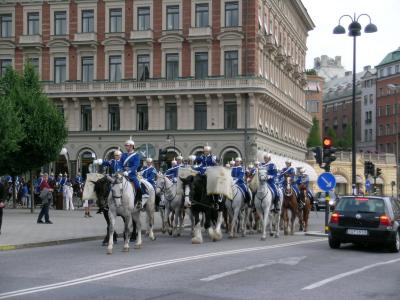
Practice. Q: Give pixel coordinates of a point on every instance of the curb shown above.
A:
(316, 233)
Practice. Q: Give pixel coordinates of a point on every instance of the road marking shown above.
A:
(346, 274)
(291, 261)
(118, 272)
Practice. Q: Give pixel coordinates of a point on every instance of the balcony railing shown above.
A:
(30, 39)
(83, 37)
(157, 86)
(141, 35)
(200, 32)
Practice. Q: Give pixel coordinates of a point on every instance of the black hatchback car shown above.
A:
(365, 220)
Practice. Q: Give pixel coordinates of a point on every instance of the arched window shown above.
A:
(86, 158)
(228, 156)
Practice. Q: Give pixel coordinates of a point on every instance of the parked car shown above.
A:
(365, 220)
(320, 202)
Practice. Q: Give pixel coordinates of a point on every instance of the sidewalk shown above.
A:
(20, 230)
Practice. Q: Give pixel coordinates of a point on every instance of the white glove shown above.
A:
(99, 161)
(126, 173)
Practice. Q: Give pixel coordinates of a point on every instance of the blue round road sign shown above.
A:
(326, 181)
(367, 184)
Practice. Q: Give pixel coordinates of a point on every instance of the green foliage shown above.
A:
(332, 134)
(43, 127)
(346, 140)
(311, 72)
(314, 138)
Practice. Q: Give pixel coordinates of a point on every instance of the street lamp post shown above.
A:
(354, 31)
(396, 89)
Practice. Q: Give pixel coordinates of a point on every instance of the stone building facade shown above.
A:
(227, 73)
(314, 98)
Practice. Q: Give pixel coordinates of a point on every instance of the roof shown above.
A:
(391, 57)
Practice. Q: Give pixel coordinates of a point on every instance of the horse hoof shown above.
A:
(109, 251)
(271, 234)
(276, 236)
(163, 231)
(178, 234)
(125, 250)
(231, 237)
(138, 246)
(263, 238)
(196, 241)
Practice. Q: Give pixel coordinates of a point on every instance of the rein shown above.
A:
(167, 190)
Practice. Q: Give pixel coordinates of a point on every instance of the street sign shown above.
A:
(367, 185)
(326, 181)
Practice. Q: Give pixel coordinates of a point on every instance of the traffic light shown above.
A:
(162, 155)
(378, 172)
(318, 155)
(328, 153)
(369, 168)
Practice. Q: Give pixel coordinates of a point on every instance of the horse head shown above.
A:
(102, 189)
(186, 189)
(262, 175)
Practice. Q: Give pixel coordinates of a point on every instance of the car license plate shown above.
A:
(357, 232)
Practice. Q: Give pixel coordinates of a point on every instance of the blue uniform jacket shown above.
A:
(115, 165)
(131, 163)
(78, 179)
(290, 171)
(205, 161)
(150, 173)
(237, 173)
(172, 173)
(272, 173)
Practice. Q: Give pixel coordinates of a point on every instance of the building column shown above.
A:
(221, 123)
(150, 112)
(75, 122)
(73, 170)
(252, 111)
(121, 105)
(239, 111)
(179, 120)
(161, 118)
(103, 124)
(190, 115)
(132, 112)
(209, 111)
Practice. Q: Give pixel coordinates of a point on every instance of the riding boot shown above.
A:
(276, 204)
(138, 198)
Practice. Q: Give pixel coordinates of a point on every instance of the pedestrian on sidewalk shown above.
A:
(68, 193)
(3, 193)
(46, 196)
(87, 204)
(25, 196)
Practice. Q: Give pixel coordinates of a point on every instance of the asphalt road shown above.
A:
(296, 267)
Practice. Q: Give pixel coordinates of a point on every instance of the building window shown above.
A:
(365, 100)
(60, 23)
(388, 129)
(113, 117)
(86, 118)
(312, 106)
(172, 66)
(232, 14)
(33, 23)
(114, 68)
(366, 135)
(143, 17)
(88, 20)
(143, 67)
(87, 69)
(60, 69)
(389, 71)
(4, 63)
(381, 74)
(142, 117)
(370, 135)
(371, 99)
(200, 116)
(230, 115)
(231, 64)
(115, 20)
(6, 25)
(388, 109)
(397, 68)
(34, 62)
(170, 116)
(202, 15)
(201, 65)
(381, 133)
(172, 17)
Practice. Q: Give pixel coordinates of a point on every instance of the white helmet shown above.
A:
(117, 152)
(179, 157)
(60, 175)
(251, 166)
(239, 159)
(130, 142)
(288, 161)
(302, 170)
(149, 160)
(207, 148)
(256, 163)
(174, 162)
(227, 165)
(232, 162)
(192, 157)
(267, 155)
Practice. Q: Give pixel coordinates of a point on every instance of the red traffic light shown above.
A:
(327, 142)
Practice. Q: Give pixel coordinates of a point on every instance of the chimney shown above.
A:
(338, 61)
(367, 68)
(348, 73)
(324, 60)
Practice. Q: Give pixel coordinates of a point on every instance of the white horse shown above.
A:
(150, 207)
(173, 204)
(235, 207)
(262, 201)
(275, 216)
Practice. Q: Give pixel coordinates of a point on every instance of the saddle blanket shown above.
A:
(219, 181)
(88, 189)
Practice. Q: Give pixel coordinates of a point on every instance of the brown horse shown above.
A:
(304, 207)
(289, 205)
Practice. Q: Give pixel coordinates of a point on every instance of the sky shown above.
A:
(371, 47)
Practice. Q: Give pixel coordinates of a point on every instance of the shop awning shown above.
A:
(379, 180)
(340, 179)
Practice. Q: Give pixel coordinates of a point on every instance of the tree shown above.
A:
(346, 141)
(42, 126)
(332, 134)
(314, 138)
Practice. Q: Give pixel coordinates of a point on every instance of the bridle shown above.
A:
(167, 190)
(122, 189)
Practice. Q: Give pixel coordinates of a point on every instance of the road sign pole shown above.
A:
(326, 211)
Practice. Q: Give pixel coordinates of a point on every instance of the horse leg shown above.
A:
(111, 215)
(127, 232)
(292, 220)
(136, 219)
(234, 222)
(197, 238)
(306, 216)
(176, 221)
(150, 220)
(105, 215)
(218, 232)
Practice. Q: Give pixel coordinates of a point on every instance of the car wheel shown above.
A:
(395, 243)
(333, 243)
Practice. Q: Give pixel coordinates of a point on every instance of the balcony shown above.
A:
(280, 55)
(141, 36)
(8, 39)
(200, 34)
(271, 43)
(120, 35)
(26, 41)
(85, 38)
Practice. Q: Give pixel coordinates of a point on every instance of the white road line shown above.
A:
(118, 272)
(342, 275)
(285, 261)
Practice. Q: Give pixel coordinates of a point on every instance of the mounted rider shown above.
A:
(131, 162)
(272, 173)
(304, 179)
(149, 173)
(238, 178)
(205, 160)
(172, 173)
(190, 161)
(289, 171)
(114, 164)
(179, 161)
(78, 179)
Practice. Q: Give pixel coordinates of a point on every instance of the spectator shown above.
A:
(68, 192)
(3, 188)
(47, 197)
(25, 197)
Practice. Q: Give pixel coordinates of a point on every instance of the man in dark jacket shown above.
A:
(46, 196)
